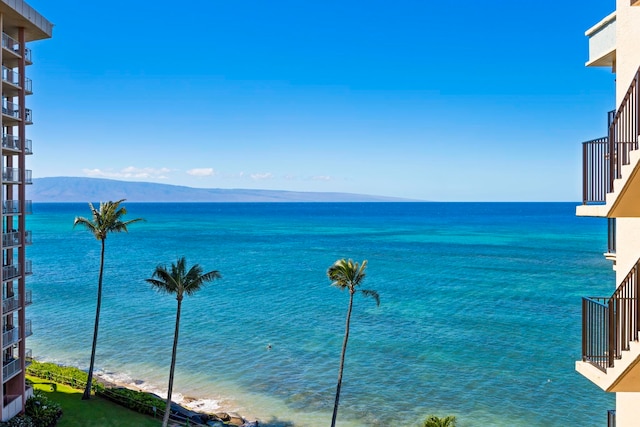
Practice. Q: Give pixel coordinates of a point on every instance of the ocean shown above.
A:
(479, 317)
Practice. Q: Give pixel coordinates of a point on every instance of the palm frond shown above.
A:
(106, 219)
(372, 294)
(434, 421)
(178, 281)
(87, 224)
(347, 274)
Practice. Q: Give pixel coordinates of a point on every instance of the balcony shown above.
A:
(602, 43)
(10, 337)
(12, 78)
(28, 358)
(14, 238)
(611, 164)
(10, 110)
(11, 303)
(10, 45)
(12, 176)
(610, 347)
(28, 297)
(10, 369)
(12, 406)
(611, 418)
(27, 328)
(12, 143)
(10, 272)
(12, 207)
(11, 113)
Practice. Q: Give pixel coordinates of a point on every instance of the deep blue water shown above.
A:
(479, 315)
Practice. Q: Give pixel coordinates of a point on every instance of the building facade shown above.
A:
(611, 189)
(19, 24)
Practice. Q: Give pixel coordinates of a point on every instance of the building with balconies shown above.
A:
(611, 189)
(19, 25)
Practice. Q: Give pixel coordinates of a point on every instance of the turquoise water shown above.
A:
(479, 315)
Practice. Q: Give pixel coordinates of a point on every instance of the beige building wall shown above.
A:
(627, 63)
(627, 46)
(627, 409)
(627, 246)
(628, 229)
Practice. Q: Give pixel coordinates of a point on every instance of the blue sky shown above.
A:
(431, 100)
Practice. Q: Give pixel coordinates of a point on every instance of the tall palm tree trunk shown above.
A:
(167, 411)
(344, 351)
(87, 391)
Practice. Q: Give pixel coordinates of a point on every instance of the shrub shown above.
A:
(135, 400)
(42, 411)
(19, 421)
(73, 377)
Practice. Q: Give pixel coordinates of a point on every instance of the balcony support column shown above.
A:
(6, 193)
(21, 218)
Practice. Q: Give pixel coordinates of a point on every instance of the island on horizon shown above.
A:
(81, 189)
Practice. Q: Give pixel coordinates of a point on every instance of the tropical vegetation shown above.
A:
(345, 274)
(40, 411)
(97, 412)
(178, 281)
(434, 421)
(108, 218)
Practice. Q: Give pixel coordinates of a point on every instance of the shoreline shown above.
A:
(202, 405)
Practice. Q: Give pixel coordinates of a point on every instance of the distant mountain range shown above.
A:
(77, 189)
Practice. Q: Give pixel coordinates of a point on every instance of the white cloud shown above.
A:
(201, 172)
(261, 176)
(129, 172)
(321, 178)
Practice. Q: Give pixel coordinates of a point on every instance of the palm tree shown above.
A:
(179, 282)
(347, 275)
(107, 219)
(433, 421)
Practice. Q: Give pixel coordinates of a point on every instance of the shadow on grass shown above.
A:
(275, 422)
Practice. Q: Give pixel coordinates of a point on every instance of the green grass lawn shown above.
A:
(96, 412)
